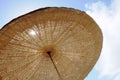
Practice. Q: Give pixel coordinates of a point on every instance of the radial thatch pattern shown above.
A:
(49, 44)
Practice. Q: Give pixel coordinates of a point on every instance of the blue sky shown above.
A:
(11, 9)
(105, 12)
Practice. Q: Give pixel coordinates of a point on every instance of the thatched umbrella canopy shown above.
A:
(49, 44)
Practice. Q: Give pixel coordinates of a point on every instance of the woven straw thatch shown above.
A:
(49, 44)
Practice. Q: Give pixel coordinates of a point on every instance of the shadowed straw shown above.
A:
(49, 44)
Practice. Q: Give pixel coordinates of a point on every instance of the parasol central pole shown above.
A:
(49, 53)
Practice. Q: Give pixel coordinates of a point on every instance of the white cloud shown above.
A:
(108, 18)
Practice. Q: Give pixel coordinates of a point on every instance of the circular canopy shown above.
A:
(49, 44)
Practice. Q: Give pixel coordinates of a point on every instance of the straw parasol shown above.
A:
(49, 44)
